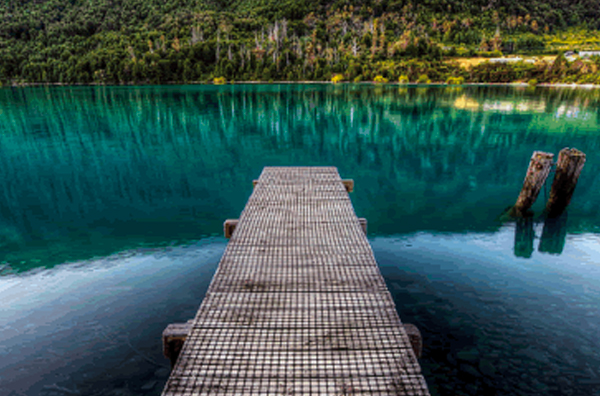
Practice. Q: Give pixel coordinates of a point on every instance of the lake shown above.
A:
(113, 200)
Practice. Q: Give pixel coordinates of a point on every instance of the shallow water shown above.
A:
(113, 200)
(494, 323)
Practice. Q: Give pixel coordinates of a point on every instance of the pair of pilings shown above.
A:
(568, 168)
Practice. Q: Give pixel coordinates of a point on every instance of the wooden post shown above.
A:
(229, 227)
(349, 184)
(524, 236)
(174, 337)
(415, 338)
(554, 235)
(539, 168)
(569, 166)
(363, 224)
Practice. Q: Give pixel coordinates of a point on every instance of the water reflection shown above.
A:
(554, 235)
(495, 324)
(90, 171)
(524, 235)
(87, 171)
(552, 240)
(93, 328)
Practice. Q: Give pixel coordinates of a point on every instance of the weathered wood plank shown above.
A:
(298, 305)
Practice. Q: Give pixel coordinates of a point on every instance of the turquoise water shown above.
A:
(113, 200)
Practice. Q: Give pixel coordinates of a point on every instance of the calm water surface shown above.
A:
(113, 199)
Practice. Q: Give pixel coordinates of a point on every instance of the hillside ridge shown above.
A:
(156, 41)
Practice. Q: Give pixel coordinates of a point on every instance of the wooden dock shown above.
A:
(297, 305)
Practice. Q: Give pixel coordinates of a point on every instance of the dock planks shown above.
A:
(298, 305)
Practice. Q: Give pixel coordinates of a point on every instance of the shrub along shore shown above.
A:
(430, 84)
(448, 71)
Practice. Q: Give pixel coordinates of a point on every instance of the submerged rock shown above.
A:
(472, 389)
(469, 356)
(122, 392)
(149, 385)
(54, 388)
(162, 373)
(470, 370)
(451, 360)
(536, 355)
(487, 368)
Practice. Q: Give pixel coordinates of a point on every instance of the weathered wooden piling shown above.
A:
(568, 168)
(174, 337)
(539, 168)
(348, 184)
(229, 227)
(363, 224)
(416, 340)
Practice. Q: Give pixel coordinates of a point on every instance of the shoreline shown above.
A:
(433, 84)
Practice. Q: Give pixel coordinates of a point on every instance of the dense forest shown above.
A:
(161, 41)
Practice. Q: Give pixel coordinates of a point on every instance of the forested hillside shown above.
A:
(121, 41)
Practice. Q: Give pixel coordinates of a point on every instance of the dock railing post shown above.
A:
(229, 227)
(415, 338)
(174, 337)
(363, 224)
(349, 184)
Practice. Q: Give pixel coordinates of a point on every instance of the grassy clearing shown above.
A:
(468, 63)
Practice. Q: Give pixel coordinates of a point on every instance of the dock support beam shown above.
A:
(363, 224)
(415, 338)
(569, 166)
(539, 168)
(173, 338)
(349, 184)
(229, 227)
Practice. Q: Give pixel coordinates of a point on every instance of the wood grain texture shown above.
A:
(537, 173)
(568, 168)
